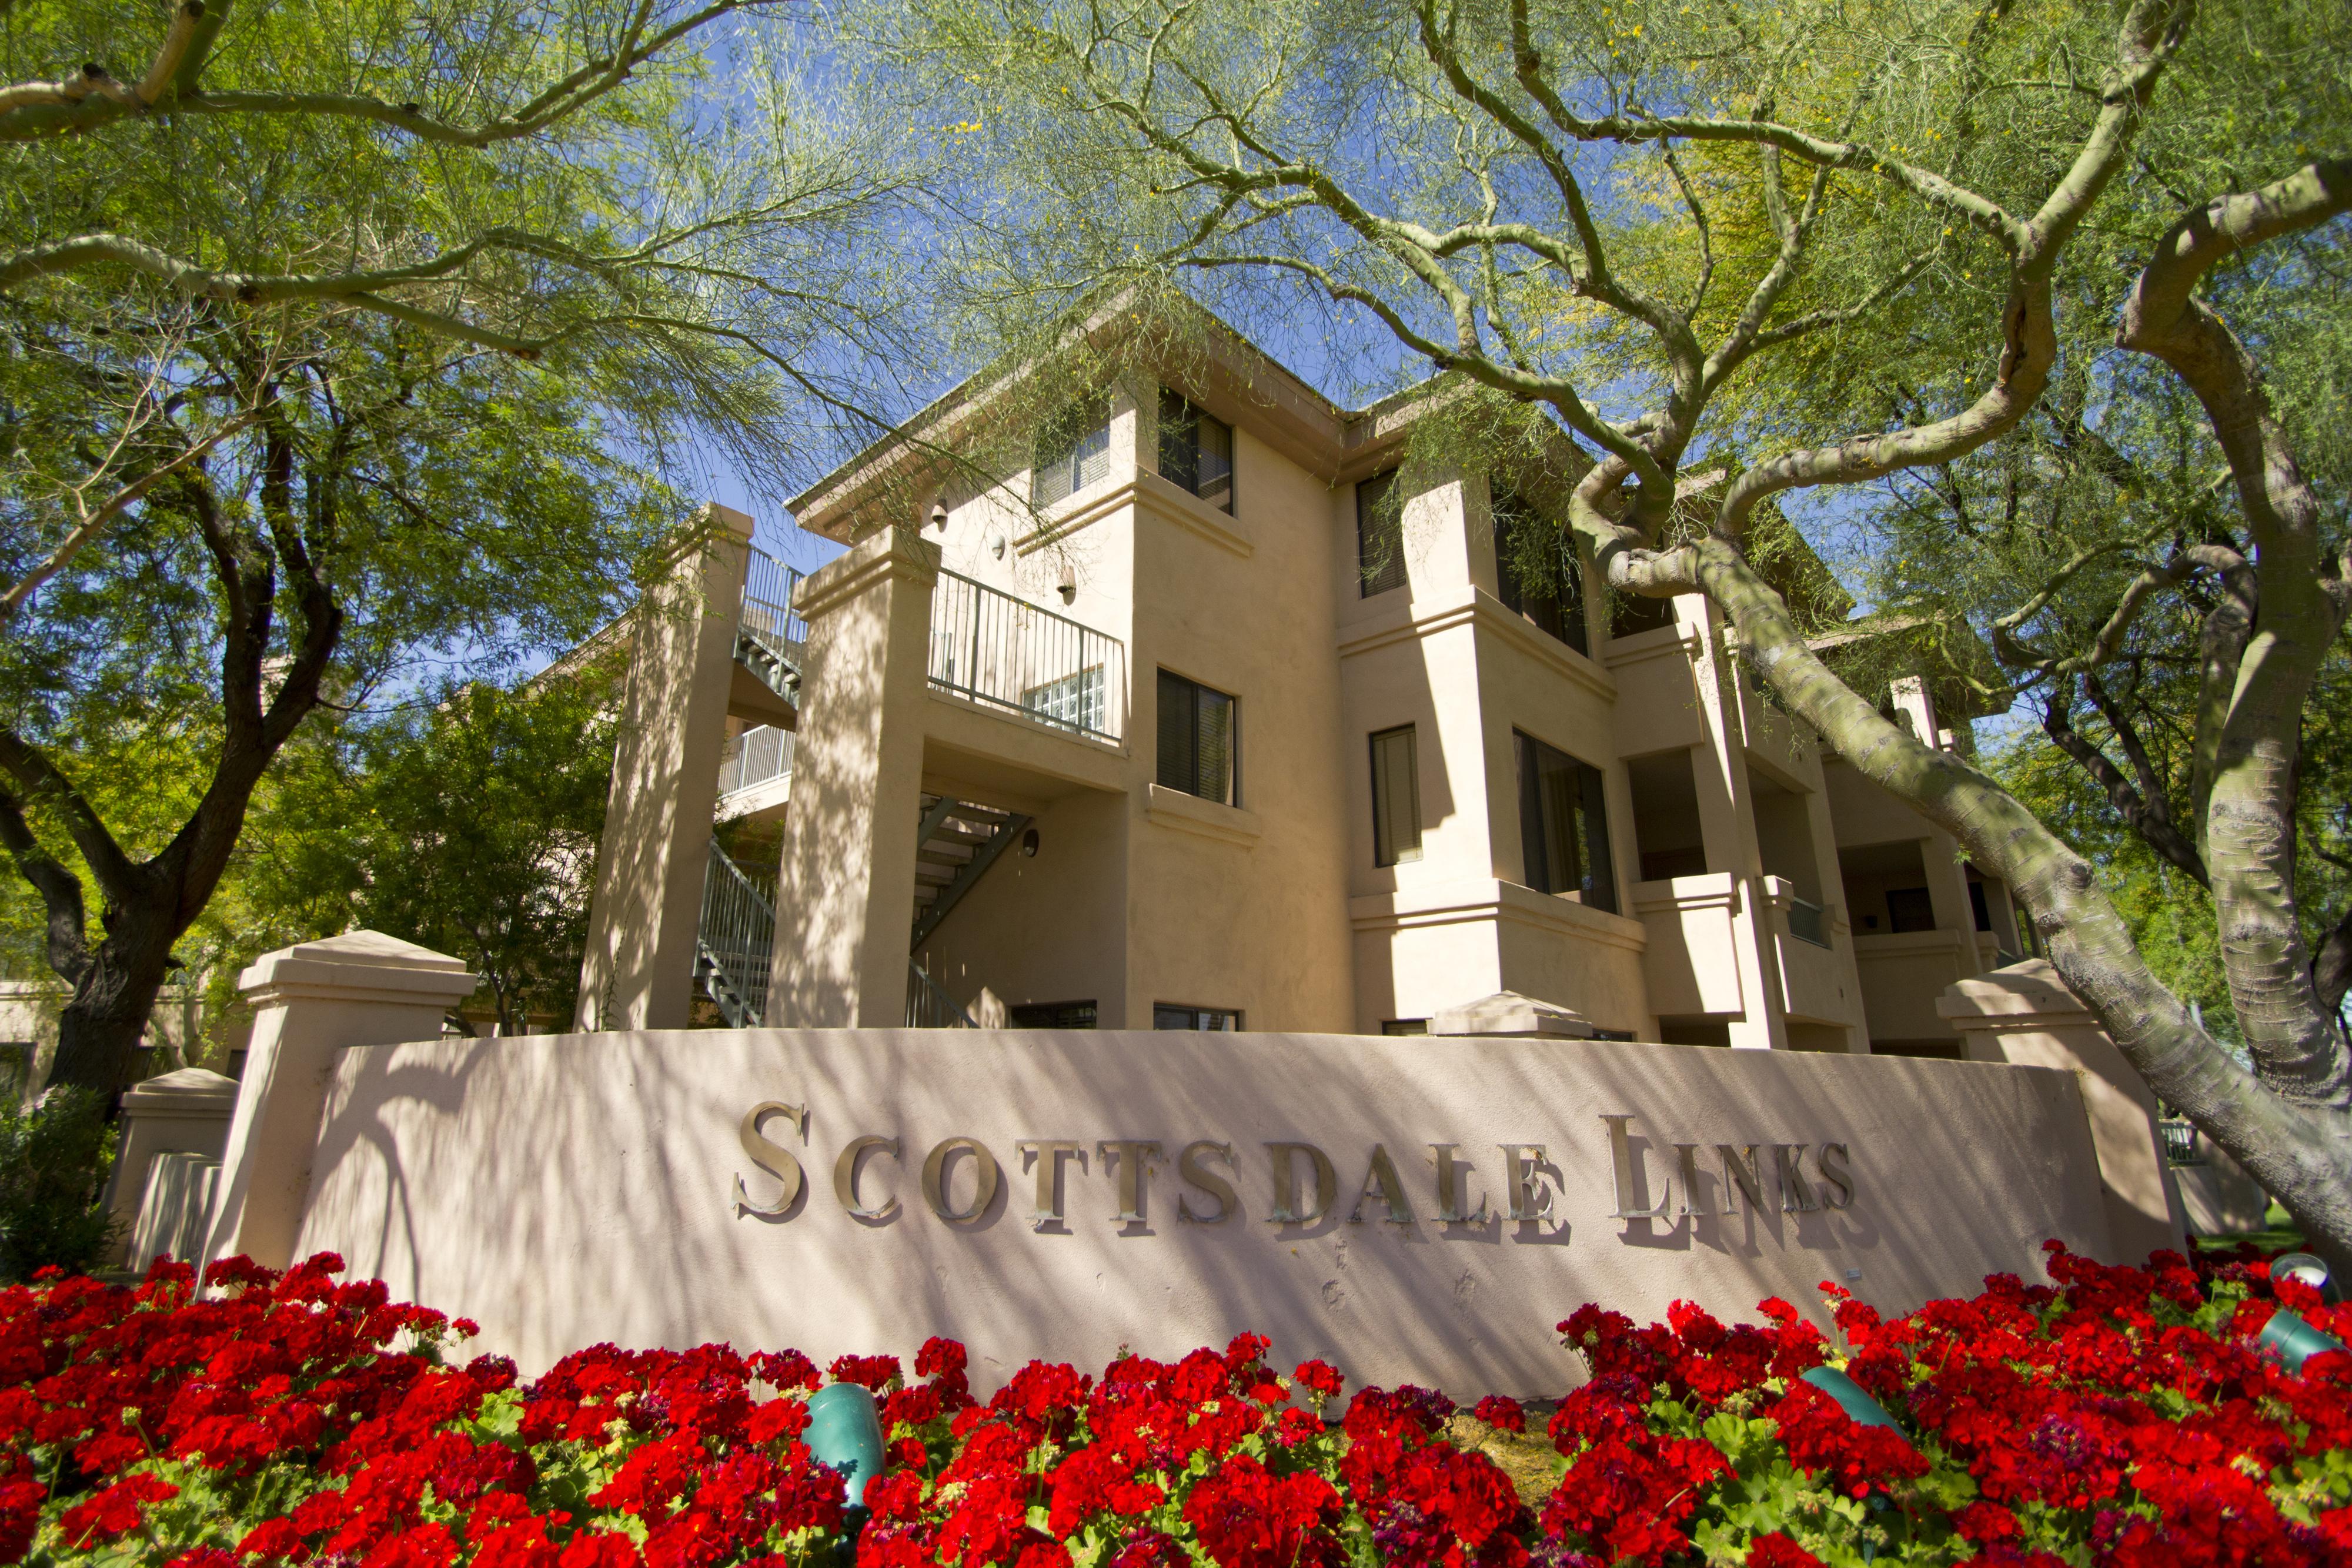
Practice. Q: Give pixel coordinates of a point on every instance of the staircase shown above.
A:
(770, 639)
(958, 841)
(732, 949)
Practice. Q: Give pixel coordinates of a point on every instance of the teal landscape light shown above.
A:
(845, 1434)
(2306, 1270)
(2293, 1341)
(1858, 1405)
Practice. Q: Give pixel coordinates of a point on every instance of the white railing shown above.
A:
(767, 612)
(753, 758)
(1006, 652)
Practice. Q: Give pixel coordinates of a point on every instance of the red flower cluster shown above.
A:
(2118, 1417)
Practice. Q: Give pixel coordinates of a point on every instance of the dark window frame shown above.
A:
(1556, 609)
(1593, 857)
(1185, 460)
(1196, 1013)
(1078, 434)
(1182, 772)
(1380, 534)
(1053, 1012)
(1386, 848)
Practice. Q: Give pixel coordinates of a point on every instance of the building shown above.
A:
(1217, 717)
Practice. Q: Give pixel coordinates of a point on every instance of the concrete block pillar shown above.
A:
(637, 969)
(846, 899)
(2025, 1014)
(183, 1113)
(310, 1002)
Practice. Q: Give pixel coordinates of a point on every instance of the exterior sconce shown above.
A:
(1029, 843)
(1069, 585)
(939, 515)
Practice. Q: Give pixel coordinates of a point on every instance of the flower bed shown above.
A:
(2118, 1416)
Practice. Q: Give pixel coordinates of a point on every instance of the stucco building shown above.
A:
(1218, 717)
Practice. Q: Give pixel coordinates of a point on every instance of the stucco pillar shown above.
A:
(2025, 1014)
(1726, 815)
(310, 1001)
(182, 1112)
(847, 897)
(637, 969)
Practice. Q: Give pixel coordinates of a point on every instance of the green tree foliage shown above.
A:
(342, 343)
(54, 1159)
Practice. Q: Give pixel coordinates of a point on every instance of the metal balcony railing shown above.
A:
(1005, 652)
(737, 938)
(2180, 1144)
(767, 612)
(1809, 922)
(754, 757)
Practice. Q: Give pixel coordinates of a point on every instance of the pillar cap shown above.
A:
(190, 1087)
(1509, 1015)
(362, 965)
(2029, 993)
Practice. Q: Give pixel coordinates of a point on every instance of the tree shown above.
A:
(467, 824)
(1693, 236)
(336, 338)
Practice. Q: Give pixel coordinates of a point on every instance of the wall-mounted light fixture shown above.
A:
(996, 547)
(1029, 843)
(939, 513)
(1069, 585)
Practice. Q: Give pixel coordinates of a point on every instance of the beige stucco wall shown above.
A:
(565, 1190)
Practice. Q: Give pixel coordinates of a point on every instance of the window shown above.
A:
(1630, 614)
(1073, 451)
(1535, 569)
(1977, 907)
(1074, 702)
(1405, 1027)
(1564, 823)
(1198, 741)
(1380, 534)
(1053, 1015)
(1396, 799)
(1168, 1015)
(1196, 451)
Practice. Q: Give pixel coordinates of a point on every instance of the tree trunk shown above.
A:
(99, 1033)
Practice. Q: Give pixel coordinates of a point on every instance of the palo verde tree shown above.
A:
(342, 341)
(1691, 233)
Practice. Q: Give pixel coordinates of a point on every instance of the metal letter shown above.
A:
(1740, 1171)
(845, 1178)
(1837, 1175)
(1381, 1180)
(772, 1158)
(1520, 1180)
(1796, 1193)
(1686, 1162)
(1196, 1173)
(1048, 1153)
(1627, 1173)
(1286, 1184)
(1135, 1157)
(1449, 1188)
(935, 1170)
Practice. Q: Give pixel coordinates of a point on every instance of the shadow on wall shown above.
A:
(566, 1190)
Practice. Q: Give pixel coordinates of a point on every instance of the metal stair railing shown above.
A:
(929, 1007)
(770, 638)
(736, 941)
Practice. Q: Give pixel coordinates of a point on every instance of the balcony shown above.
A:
(1012, 657)
(755, 774)
(1812, 980)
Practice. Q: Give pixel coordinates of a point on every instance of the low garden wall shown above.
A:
(1410, 1210)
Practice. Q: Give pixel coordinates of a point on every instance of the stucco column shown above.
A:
(638, 969)
(310, 1002)
(847, 897)
(2025, 1014)
(1727, 816)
